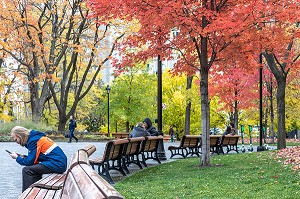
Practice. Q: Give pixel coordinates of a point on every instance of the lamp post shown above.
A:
(161, 150)
(108, 90)
(260, 147)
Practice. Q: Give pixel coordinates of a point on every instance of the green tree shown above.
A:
(132, 98)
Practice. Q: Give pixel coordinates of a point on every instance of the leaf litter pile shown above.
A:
(290, 157)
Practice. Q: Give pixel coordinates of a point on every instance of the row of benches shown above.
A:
(191, 145)
(80, 181)
(120, 153)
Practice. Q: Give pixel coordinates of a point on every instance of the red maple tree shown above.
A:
(192, 32)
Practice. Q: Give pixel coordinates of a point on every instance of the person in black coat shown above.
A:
(148, 126)
(139, 131)
(72, 126)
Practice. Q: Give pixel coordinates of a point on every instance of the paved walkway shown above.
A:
(11, 172)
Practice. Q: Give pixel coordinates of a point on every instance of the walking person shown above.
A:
(72, 126)
(44, 155)
(172, 134)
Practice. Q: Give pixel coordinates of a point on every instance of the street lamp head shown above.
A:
(107, 89)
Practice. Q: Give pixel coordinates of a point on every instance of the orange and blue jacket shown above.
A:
(43, 150)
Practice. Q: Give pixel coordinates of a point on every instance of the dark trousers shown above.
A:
(72, 136)
(33, 173)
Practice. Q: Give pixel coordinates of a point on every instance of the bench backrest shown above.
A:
(84, 182)
(214, 140)
(230, 140)
(151, 143)
(134, 145)
(191, 140)
(114, 149)
(89, 149)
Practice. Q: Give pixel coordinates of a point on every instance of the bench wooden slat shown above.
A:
(84, 182)
(108, 190)
(52, 181)
(89, 149)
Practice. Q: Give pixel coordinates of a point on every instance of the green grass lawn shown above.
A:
(248, 175)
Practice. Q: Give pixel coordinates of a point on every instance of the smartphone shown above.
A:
(8, 151)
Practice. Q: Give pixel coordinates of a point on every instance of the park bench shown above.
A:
(230, 142)
(111, 159)
(131, 153)
(149, 149)
(189, 145)
(215, 143)
(80, 181)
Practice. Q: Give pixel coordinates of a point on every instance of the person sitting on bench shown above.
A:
(44, 156)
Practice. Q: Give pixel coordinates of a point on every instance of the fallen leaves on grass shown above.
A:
(290, 156)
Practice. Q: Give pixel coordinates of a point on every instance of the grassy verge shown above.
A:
(249, 175)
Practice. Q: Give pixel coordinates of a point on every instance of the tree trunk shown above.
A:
(188, 106)
(271, 111)
(236, 116)
(38, 98)
(205, 118)
(62, 121)
(280, 76)
(205, 156)
(281, 142)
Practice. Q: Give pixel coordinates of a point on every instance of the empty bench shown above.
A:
(189, 145)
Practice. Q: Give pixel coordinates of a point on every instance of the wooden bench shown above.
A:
(189, 145)
(131, 153)
(86, 184)
(230, 142)
(111, 159)
(214, 142)
(149, 149)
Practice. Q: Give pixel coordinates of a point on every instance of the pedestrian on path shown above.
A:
(72, 126)
(172, 134)
(44, 156)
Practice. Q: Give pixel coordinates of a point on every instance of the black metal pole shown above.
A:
(159, 95)
(161, 149)
(108, 90)
(260, 147)
(108, 115)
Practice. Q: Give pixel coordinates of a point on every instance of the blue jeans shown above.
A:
(71, 135)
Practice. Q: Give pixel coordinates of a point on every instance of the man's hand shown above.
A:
(14, 155)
